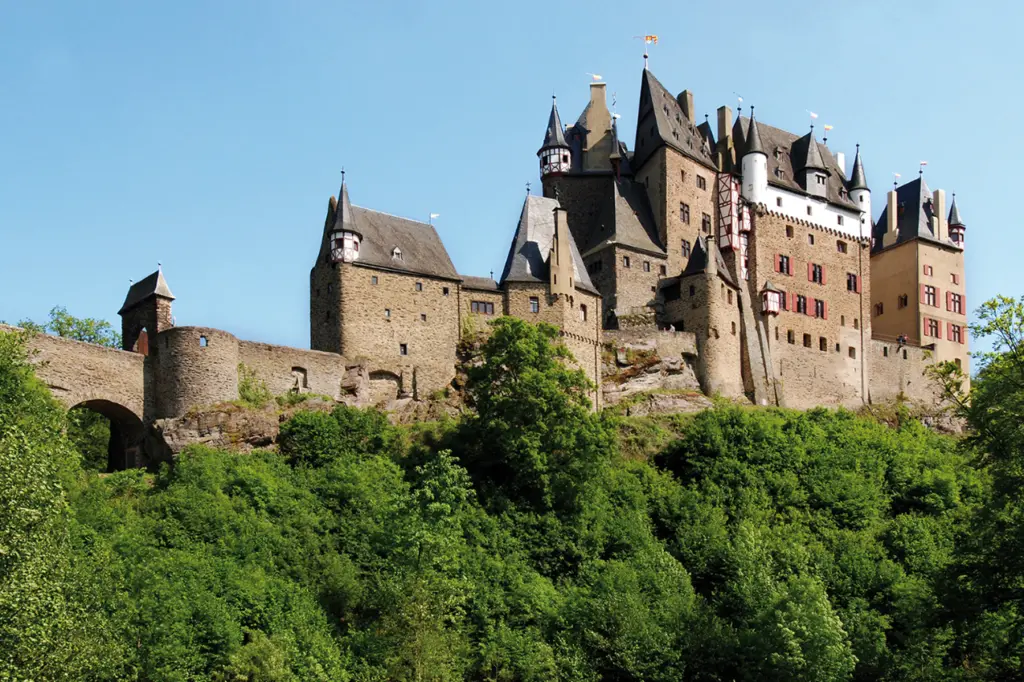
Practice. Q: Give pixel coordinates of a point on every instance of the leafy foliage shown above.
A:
(532, 539)
(252, 391)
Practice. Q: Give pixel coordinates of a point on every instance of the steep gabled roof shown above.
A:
(553, 135)
(151, 285)
(782, 148)
(420, 250)
(807, 154)
(625, 219)
(914, 217)
(660, 120)
(531, 246)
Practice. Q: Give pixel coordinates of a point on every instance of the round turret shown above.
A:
(861, 195)
(555, 155)
(754, 166)
(196, 366)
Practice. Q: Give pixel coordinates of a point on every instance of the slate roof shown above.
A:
(698, 262)
(790, 159)
(553, 135)
(914, 213)
(480, 283)
(531, 246)
(954, 214)
(754, 145)
(807, 153)
(626, 218)
(659, 110)
(858, 180)
(151, 285)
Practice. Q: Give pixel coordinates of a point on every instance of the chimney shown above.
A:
(841, 162)
(560, 260)
(712, 265)
(598, 144)
(939, 215)
(685, 99)
(890, 214)
(725, 160)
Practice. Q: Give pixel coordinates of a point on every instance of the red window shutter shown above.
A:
(938, 292)
(778, 263)
(823, 274)
(963, 335)
(963, 306)
(810, 307)
(792, 302)
(949, 300)
(949, 331)
(825, 306)
(810, 271)
(924, 322)
(922, 295)
(858, 284)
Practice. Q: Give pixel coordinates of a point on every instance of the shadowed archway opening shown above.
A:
(108, 435)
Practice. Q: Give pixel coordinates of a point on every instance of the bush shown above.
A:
(252, 390)
(312, 438)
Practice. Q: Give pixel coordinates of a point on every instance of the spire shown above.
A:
(813, 159)
(858, 180)
(553, 136)
(343, 216)
(754, 137)
(954, 214)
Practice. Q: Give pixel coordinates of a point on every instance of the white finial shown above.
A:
(159, 267)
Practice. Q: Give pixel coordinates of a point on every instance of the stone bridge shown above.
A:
(105, 380)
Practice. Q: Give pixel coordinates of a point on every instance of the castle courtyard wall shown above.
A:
(379, 318)
(900, 373)
(285, 369)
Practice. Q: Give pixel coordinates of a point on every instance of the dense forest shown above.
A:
(530, 539)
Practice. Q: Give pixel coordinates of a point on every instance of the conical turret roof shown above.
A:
(813, 158)
(858, 180)
(343, 216)
(754, 145)
(554, 136)
(954, 214)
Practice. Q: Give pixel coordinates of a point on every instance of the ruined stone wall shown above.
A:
(807, 375)
(379, 318)
(189, 374)
(900, 373)
(78, 372)
(667, 343)
(285, 369)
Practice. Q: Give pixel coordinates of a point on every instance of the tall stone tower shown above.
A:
(146, 312)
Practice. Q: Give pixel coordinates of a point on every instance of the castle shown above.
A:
(752, 242)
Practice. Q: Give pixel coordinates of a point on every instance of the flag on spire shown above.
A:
(813, 115)
(924, 163)
(828, 128)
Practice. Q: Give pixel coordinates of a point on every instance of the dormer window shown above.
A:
(396, 253)
(820, 179)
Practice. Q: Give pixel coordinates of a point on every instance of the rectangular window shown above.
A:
(789, 231)
(783, 265)
(790, 336)
(839, 220)
(840, 246)
(583, 313)
(701, 182)
(810, 239)
(647, 266)
(662, 270)
(625, 261)
(931, 327)
(419, 286)
(902, 302)
(819, 308)
(423, 317)
(373, 279)
(482, 307)
(956, 333)
(801, 304)
(956, 303)
(445, 291)
(784, 300)
(816, 273)
(684, 212)
(928, 270)
(387, 313)
(403, 349)
(879, 309)
(778, 201)
(851, 283)
(954, 278)
(852, 352)
(686, 248)
(807, 340)
(534, 304)
(705, 223)
(822, 343)
(930, 296)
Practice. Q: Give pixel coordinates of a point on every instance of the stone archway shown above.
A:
(385, 386)
(125, 447)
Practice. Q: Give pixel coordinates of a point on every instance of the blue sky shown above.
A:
(209, 135)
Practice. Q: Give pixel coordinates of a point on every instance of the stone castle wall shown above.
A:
(286, 369)
(900, 373)
(195, 367)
